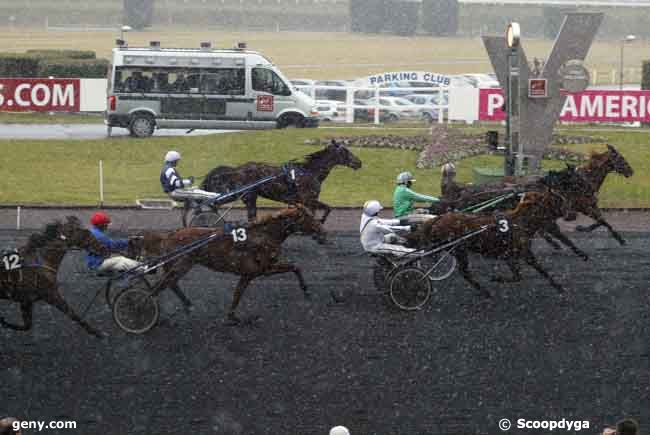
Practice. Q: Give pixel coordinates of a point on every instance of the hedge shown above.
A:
(82, 68)
(69, 54)
(18, 65)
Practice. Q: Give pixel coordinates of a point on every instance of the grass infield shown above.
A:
(66, 172)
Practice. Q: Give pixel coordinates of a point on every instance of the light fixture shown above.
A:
(513, 32)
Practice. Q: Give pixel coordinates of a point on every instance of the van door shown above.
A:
(224, 96)
(272, 95)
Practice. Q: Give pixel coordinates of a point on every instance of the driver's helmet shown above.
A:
(100, 218)
(172, 156)
(405, 177)
(372, 207)
(448, 168)
(339, 430)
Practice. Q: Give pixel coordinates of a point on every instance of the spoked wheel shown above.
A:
(410, 288)
(380, 271)
(136, 309)
(439, 266)
(206, 219)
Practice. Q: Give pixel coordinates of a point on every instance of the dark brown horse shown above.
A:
(36, 278)
(309, 174)
(249, 251)
(508, 236)
(568, 181)
(583, 193)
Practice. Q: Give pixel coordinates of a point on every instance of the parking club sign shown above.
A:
(406, 76)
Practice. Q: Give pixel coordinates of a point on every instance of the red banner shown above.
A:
(39, 95)
(587, 106)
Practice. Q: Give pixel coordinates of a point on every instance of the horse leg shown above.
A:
(250, 200)
(513, 264)
(286, 267)
(244, 280)
(532, 261)
(26, 309)
(55, 299)
(595, 214)
(554, 230)
(463, 266)
(170, 280)
(315, 204)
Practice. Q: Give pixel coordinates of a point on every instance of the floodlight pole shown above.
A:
(513, 162)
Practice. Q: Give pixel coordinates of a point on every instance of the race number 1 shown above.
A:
(11, 262)
(239, 235)
(503, 226)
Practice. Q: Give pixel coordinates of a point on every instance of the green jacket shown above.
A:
(403, 199)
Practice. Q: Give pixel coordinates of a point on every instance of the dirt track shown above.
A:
(457, 367)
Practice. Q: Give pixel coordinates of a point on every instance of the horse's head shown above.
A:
(298, 218)
(75, 235)
(618, 162)
(343, 156)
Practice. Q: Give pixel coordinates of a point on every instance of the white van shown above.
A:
(204, 88)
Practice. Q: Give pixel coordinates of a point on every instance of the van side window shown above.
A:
(224, 81)
(265, 80)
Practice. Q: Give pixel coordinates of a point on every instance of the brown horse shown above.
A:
(36, 278)
(583, 193)
(508, 235)
(309, 174)
(249, 251)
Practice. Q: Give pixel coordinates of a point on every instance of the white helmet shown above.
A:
(404, 178)
(339, 430)
(448, 168)
(372, 207)
(172, 156)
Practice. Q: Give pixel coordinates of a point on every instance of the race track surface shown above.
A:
(456, 367)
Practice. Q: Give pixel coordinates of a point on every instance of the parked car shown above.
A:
(397, 108)
(328, 110)
(482, 80)
(367, 113)
(303, 85)
(330, 94)
(401, 89)
(429, 105)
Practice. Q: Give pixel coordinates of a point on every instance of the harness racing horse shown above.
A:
(250, 251)
(567, 182)
(595, 172)
(34, 278)
(309, 174)
(508, 236)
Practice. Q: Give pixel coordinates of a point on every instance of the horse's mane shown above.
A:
(316, 156)
(39, 240)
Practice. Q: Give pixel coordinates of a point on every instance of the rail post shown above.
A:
(101, 183)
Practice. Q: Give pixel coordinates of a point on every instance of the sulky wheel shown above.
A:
(410, 288)
(439, 266)
(206, 219)
(380, 271)
(135, 309)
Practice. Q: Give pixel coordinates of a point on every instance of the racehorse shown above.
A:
(32, 274)
(250, 251)
(584, 193)
(508, 236)
(595, 172)
(567, 181)
(309, 174)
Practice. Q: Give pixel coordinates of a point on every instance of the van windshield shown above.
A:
(266, 80)
(219, 81)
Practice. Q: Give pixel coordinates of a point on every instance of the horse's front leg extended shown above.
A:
(532, 261)
(554, 229)
(463, 266)
(596, 214)
(315, 204)
(286, 267)
(26, 309)
(54, 298)
(546, 236)
(513, 264)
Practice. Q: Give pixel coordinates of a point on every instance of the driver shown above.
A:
(378, 235)
(113, 262)
(175, 186)
(404, 197)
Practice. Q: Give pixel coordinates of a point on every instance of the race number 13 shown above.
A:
(239, 235)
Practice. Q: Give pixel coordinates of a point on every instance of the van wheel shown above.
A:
(142, 125)
(291, 121)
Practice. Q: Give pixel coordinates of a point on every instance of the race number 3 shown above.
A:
(239, 235)
(11, 262)
(503, 226)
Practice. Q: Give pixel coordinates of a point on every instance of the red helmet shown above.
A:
(100, 218)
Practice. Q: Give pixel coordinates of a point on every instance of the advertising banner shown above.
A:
(587, 106)
(39, 95)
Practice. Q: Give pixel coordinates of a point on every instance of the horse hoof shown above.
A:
(232, 320)
(585, 257)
